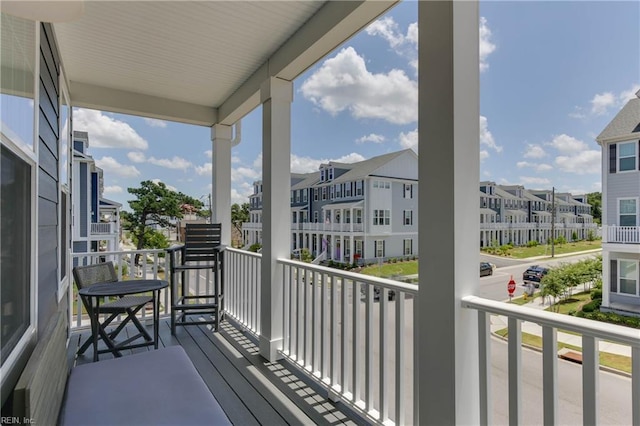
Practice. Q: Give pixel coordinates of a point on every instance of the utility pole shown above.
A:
(553, 220)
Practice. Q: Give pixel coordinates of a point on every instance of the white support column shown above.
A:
(446, 349)
(276, 96)
(221, 179)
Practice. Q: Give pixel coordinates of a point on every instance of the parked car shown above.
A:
(534, 275)
(486, 268)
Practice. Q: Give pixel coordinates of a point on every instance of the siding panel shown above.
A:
(620, 185)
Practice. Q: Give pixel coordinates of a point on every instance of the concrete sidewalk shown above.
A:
(499, 322)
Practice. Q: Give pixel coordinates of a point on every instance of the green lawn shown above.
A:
(386, 270)
(619, 362)
(572, 304)
(545, 250)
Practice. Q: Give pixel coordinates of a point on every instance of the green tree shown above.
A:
(155, 204)
(153, 239)
(239, 215)
(553, 285)
(595, 200)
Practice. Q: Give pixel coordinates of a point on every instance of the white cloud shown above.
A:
(154, 122)
(388, 29)
(107, 132)
(111, 166)
(601, 102)
(308, 164)
(171, 163)
(581, 163)
(113, 189)
(627, 95)
(538, 167)
(409, 140)
(529, 180)
(484, 154)
(204, 170)
(486, 45)
(136, 157)
(239, 174)
(412, 33)
(169, 187)
(534, 151)
(344, 83)
(209, 153)
(568, 144)
(486, 138)
(235, 160)
(371, 137)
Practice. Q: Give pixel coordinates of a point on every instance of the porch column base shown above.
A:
(270, 349)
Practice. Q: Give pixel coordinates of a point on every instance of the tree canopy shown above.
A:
(239, 215)
(155, 204)
(595, 200)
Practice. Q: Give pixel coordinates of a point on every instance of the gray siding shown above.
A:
(48, 196)
(84, 201)
(620, 185)
(400, 204)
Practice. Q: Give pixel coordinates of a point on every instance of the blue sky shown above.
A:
(553, 74)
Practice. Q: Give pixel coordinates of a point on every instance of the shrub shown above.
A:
(596, 293)
(592, 306)
(532, 243)
(560, 240)
(255, 247)
(591, 236)
(574, 236)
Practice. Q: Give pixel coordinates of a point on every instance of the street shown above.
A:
(494, 287)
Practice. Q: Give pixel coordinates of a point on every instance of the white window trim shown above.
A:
(28, 156)
(381, 243)
(619, 157)
(637, 277)
(637, 200)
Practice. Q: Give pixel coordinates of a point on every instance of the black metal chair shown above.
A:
(86, 276)
(202, 250)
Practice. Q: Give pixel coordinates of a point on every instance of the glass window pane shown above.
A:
(627, 149)
(627, 220)
(627, 286)
(627, 164)
(627, 206)
(18, 70)
(15, 259)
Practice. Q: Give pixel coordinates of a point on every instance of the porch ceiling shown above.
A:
(198, 62)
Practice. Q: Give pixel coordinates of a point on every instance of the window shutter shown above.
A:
(412, 217)
(612, 158)
(638, 159)
(613, 284)
(411, 191)
(384, 252)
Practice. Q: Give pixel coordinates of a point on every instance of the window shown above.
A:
(16, 228)
(408, 247)
(381, 217)
(358, 250)
(338, 191)
(315, 217)
(315, 194)
(628, 211)
(628, 277)
(375, 183)
(359, 188)
(408, 190)
(324, 192)
(358, 216)
(304, 195)
(297, 196)
(379, 248)
(331, 192)
(408, 217)
(387, 185)
(292, 196)
(347, 189)
(627, 156)
(330, 173)
(321, 175)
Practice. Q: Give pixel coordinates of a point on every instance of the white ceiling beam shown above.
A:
(333, 24)
(84, 95)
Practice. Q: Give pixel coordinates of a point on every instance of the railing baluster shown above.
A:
(356, 351)
(368, 358)
(323, 328)
(400, 388)
(333, 324)
(384, 350)
(635, 384)
(286, 283)
(484, 344)
(315, 358)
(515, 369)
(590, 370)
(343, 358)
(291, 311)
(550, 375)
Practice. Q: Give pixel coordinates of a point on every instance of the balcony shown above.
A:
(622, 234)
(345, 339)
(103, 228)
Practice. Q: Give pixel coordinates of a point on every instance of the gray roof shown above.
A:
(625, 123)
(364, 168)
(309, 180)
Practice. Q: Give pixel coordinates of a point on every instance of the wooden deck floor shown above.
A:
(249, 389)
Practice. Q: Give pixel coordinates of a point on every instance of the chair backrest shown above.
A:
(86, 276)
(201, 241)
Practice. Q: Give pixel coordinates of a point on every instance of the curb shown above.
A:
(537, 349)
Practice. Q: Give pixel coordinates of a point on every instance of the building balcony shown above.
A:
(103, 228)
(346, 340)
(622, 234)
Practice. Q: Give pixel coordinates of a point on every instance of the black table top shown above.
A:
(122, 288)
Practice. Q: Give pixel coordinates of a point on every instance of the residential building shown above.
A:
(357, 212)
(210, 64)
(512, 214)
(96, 218)
(620, 142)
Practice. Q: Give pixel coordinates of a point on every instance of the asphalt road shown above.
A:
(494, 287)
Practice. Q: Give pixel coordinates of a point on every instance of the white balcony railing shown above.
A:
(341, 329)
(590, 331)
(242, 278)
(623, 234)
(151, 266)
(103, 228)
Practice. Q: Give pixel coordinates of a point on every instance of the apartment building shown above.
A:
(516, 215)
(620, 142)
(358, 212)
(96, 219)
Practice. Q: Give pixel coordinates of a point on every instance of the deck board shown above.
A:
(251, 390)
